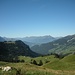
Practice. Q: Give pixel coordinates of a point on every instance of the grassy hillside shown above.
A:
(55, 66)
(69, 59)
(67, 63)
(44, 59)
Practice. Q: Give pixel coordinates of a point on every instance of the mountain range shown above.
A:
(2, 39)
(47, 44)
(63, 45)
(33, 40)
(38, 39)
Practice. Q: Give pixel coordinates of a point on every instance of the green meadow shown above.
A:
(51, 66)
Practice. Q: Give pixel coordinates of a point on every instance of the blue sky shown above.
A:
(20, 18)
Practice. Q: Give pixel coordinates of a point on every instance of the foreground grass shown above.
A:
(28, 69)
(55, 66)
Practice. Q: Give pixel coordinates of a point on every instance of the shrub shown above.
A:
(22, 61)
(40, 63)
(34, 62)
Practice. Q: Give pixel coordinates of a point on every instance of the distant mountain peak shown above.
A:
(63, 45)
(2, 39)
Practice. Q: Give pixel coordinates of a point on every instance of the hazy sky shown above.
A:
(20, 18)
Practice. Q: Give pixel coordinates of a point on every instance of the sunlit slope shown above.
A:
(69, 59)
(63, 46)
(67, 63)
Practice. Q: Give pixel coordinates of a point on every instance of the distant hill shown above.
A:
(2, 39)
(61, 46)
(38, 39)
(29, 43)
(9, 50)
(10, 39)
(33, 40)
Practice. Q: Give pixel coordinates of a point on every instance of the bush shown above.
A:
(40, 63)
(47, 61)
(18, 72)
(22, 61)
(34, 62)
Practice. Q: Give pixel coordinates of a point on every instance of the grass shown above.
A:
(3, 63)
(43, 58)
(70, 59)
(55, 66)
(67, 63)
(13, 72)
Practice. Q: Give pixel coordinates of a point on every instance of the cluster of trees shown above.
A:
(35, 62)
(60, 56)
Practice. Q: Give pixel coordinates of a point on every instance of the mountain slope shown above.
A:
(63, 45)
(29, 43)
(9, 50)
(67, 63)
(39, 39)
(2, 39)
(33, 40)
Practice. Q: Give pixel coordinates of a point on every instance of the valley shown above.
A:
(52, 58)
(37, 37)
